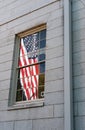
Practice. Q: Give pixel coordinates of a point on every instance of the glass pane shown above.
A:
(28, 71)
(42, 67)
(42, 44)
(34, 70)
(30, 43)
(23, 96)
(41, 79)
(23, 61)
(34, 94)
(28, 59)
(29, 87)
(32, 58)
(19, 95)
(43, 34)
(19, 86)
(42, 56)
(41, 92)
(24, 73)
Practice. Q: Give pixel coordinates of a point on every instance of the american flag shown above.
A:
(29, 70)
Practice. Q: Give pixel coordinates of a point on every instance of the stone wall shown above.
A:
(17, 16)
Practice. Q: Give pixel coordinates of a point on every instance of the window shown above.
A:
(28, 77)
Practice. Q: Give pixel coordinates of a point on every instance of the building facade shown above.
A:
(63, 103)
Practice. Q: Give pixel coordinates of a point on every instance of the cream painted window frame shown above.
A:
(23, 104)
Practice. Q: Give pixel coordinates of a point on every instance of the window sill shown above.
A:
(27, 104)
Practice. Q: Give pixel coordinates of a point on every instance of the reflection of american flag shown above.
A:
(29, 74)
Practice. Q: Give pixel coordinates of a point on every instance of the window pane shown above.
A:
(41, 79)
(23, 96)
(42, 44)
(19, 95)
(42, 67)
(28, 59)
(41, 92)
(29, 86)
(43, 34)
(23, 61)
(33, 58)
(18, 84)
(34, 70)
(42, 56)
(30, 43)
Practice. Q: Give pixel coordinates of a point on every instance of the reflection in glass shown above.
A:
(19, 95)
(42, 67)
(42, 57)
(41, 79)
(18, 84)
(41, 92)
(28, 82)
(43, 34)
(31, 43)
(42, 44)
(31, 67)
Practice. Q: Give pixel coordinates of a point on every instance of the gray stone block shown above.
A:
(79, 95)
(78, 14)
(5, 66)
(55, 23)
(59, 110)
(54, 98)
(54, 52)
(3, 105)
(79, 69)
(53, 86)
(21, 114)
(23, 125)
(77, 6)
(6, 49)
(6, 57)
(79, 24)
(6, 126)
(54, 42)
(54, 74)
(81, 108)
(4, 94)
(14, 115)
(55, 63)
(79, 46)
(79, 57)
(80, 123)
(56, 14)
(41, 112)
(5, 75)
(79, 35)
(79, 81)
(5, 84)
(56, 32)
(49, 124)
(7, 40)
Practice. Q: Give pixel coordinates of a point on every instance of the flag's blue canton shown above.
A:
(31, 44)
